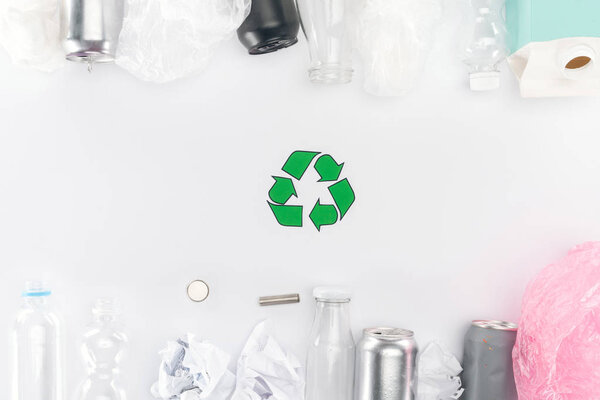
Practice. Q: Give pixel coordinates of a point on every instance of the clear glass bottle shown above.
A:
(38, 346)
(330, 361)
(102, 350)
(326, 26)
(487, 45)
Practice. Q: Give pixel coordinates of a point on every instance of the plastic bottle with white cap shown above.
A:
(330, 361)
(487, 45)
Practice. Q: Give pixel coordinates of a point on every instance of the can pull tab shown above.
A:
(90, 63)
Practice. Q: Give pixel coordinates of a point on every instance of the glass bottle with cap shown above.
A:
(38, 346)
(330, 361)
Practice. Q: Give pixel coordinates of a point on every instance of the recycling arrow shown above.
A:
(298, 162)
(287, 215)
(328, 169)
(282, 190)
(343, 196)
(323, 214)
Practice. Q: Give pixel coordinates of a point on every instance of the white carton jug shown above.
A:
(555, 46)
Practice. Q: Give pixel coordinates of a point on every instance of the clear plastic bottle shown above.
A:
(487, 45)
(330, 363)
(102, 350)
(38, 346)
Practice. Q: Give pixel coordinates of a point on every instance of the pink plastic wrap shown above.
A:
(557, 354)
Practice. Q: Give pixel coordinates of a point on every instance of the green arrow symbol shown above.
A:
(323, 215)
(282, 190)
(343, 196)
(298, 162)
(287, 215)
(328, 169)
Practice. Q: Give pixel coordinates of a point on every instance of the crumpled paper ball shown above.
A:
(30, 33)
(193, 370)
(557, 353)
(438, 374)
(267, 371)
(164, 40)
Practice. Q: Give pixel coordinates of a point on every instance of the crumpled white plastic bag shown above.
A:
(438, 372)
(393, 39)
(30, 33)
(266, 370)
(164, 40)
(193, 370)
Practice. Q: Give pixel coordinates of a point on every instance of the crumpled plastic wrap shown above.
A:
(557, 353)
(267, 371)
(192, 370)
(30, 33)
(164, 40)
(438, 371)
(393, 39)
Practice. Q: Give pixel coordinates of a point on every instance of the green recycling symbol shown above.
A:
(321, 214)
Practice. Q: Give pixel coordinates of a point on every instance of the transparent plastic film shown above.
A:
(164, 40)
(30, 33)
(393, 39)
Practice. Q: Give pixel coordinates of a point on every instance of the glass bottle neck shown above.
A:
(333, 313)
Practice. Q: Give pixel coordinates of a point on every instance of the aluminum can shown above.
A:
(487, 362)
(386, 365)
(90, 29)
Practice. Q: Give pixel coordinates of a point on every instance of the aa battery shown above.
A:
(487, 362)
(386, 365)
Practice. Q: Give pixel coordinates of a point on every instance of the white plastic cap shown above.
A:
(482, 81)
(334, 293)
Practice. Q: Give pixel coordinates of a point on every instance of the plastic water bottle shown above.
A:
(38, 346)
(487, 47)
(330, 363)
(102, 349)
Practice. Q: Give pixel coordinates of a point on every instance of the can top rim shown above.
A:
(497, 325)
(389, 333)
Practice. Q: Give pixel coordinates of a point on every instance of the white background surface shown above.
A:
(109, 185)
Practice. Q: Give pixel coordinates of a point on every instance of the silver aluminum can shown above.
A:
(487, 362)
(386, 365)
(90, 29)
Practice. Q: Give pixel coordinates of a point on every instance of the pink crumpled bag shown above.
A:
(557, 353)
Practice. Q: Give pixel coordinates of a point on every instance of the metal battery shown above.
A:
(487, 362)
(90, 29)
(386, 365)
(279, 299)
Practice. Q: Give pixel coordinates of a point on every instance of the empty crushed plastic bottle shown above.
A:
(487, 47)
(38, 345)
(330, 362)
(103, 347)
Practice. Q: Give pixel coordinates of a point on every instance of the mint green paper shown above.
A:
(544, 20)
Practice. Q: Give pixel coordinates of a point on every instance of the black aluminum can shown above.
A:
(487, 362)
(270, 26)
